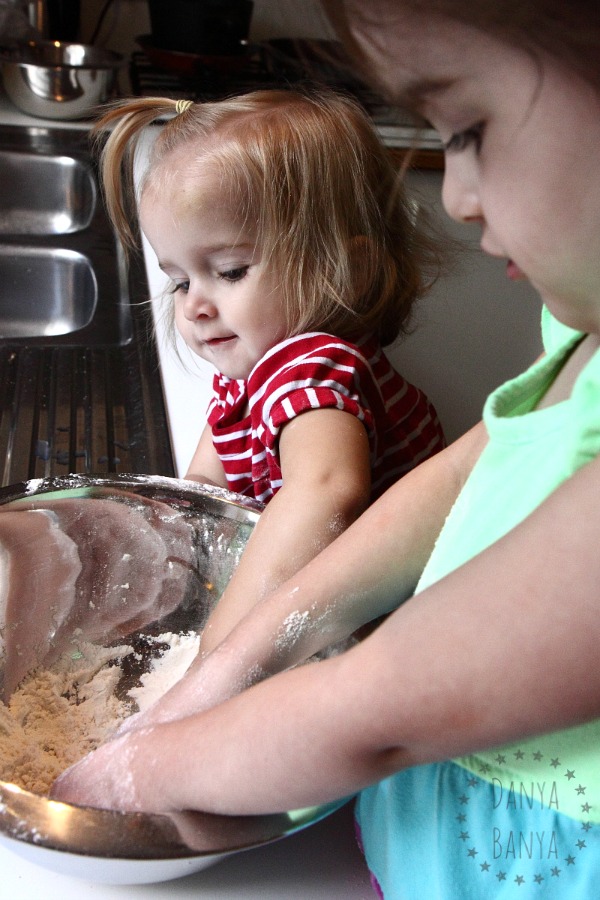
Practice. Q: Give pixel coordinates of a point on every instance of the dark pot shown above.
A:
(207, 27)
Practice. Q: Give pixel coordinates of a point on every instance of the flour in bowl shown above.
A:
(58, 715)
(167, 669)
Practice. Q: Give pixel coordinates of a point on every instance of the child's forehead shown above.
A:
(184, 174)
(187, 159)
(194, 194)
(412, 53)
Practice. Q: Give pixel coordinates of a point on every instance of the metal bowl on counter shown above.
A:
(59, 80)
(103, 577)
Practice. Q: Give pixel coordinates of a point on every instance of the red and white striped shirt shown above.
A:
(316, 371)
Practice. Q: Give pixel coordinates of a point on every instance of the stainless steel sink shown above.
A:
(63, 280)
(44, 194)
(26, 273)
(81, 389)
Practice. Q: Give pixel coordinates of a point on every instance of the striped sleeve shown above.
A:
(311, 371)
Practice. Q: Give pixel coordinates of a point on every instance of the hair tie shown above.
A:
(182, 105)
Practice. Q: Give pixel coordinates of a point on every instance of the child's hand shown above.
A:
(104, 779)
(208, 681)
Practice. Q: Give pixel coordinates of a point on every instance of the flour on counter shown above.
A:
(60, 714)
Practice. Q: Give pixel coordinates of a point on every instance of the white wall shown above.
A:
(474, 330)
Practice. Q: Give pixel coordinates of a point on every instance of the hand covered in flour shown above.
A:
(106, 778)
(208, 681)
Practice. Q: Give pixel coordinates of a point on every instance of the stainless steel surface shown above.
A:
(127, 848)
(78, 270)
(214, 525)
(45, 291)
(87, 400)
(59, 80)
(45, 194)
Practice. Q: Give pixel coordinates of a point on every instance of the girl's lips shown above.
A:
(215, 342)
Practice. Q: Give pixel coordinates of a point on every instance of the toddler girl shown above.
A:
(293, 258)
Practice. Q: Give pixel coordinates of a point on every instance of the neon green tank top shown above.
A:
(529, 454)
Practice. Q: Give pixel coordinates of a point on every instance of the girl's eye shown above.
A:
(234, 274)
(182, 286)
(463, 139)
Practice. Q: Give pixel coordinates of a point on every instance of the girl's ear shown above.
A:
(361, 257)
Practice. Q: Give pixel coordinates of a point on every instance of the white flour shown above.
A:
(167, 669)
(292, 629)
(59, 715)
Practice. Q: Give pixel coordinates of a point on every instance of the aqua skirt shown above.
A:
(439, 832)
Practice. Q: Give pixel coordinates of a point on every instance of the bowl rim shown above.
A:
(106, 59)
(182, 491)
(112, 834)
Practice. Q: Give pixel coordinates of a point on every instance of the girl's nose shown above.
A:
(460, 195)
(197, 305)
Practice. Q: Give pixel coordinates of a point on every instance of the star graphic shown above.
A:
(586, 826)
(569, 774)
(501, 759)
(484, 768)
(581, 845)
(464, 835)
(485, 866)
(501, 876)
(461, 817)
(538, 756)
(581, 789)
(472, 853)
(538, 879)
(519, 880)
(472, 782)
(519, 754)
(463, 799)
(555, 763)
(570, 860)
(585, 807)
(555, 872)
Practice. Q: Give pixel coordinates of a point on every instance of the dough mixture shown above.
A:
(58, 715)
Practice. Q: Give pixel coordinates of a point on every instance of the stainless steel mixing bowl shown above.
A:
(202, 531)
(58, 80)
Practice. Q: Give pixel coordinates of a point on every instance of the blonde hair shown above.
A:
(312, 177)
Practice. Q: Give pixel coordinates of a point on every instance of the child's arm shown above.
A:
(365, 573)
(503, 648)
(324, 456)
(205, 465)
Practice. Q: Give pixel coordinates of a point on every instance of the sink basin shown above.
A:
(81, 389)
(63, 278)
(44, 194)
(45, 292)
